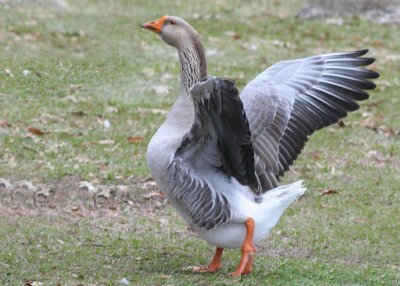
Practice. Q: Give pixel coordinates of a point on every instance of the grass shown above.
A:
(89, 64)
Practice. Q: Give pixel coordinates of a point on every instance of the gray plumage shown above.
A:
(216, 147)
(292, 99)
(218, 142)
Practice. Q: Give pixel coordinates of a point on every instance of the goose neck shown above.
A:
(193, 65)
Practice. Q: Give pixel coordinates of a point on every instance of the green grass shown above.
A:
(90, 62)
(77, 252)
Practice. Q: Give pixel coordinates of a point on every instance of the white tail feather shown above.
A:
(286, 194)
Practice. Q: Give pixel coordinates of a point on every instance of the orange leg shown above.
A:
(215, 263)
(248, 248)
(249, 266)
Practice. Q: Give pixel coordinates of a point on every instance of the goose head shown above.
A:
(180, 34)
(173, 30)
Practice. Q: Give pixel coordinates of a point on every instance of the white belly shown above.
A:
(265, 214)
(231, 235)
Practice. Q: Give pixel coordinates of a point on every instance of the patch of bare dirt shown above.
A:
(293, 252)
(72, 197)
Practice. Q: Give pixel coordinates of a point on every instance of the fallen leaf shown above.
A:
(328, 192)
(79, 113)
(122, 188)
(342, 124)
(37, 131)
(135, 139)
(88, 186)
(148, 72)
(236, 37)
(388, 131)
(106, 142)
(197, 269)
(167, 76)
(82, 159)
(34, 283)
(359, 220)
(165, 277)
(230, 33)
(74, 87)
(106, 193)
(12, 161)
(89, 143)
(45, 117)
(161, 89)
(115, 147)
(4, 123)
(212, 52)
(278, 43)
(375, 103)
(377, 43)
(27, 185)
(163, 221)
(103, 167)
(38, 74)
(152, 194)
(148, 185)
(5, 184)
(71, 98)
(8, 72)
(110, 109)
(45, 192)
(327, 206)
(153, 110)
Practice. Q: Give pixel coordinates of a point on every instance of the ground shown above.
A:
(82, 90)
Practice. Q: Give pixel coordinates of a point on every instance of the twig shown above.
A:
(30, 148)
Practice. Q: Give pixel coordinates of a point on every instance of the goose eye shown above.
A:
(172, 22)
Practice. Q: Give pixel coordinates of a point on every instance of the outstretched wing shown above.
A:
(292, 99)
(220, 137)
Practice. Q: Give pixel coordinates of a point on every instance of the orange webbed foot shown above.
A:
(246, 261)
(214, 265)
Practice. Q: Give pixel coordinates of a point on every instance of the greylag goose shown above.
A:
(218, 156)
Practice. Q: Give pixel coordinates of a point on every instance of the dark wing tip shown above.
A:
(367, 61)
(372, 74)
(359, 53)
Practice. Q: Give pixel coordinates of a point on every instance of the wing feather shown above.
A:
(292, 99)
(220, 137)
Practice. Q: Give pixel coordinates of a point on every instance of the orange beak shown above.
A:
(156, 25)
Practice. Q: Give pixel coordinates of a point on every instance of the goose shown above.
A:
(218, 156)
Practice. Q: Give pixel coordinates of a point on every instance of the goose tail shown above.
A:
(286, 194)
